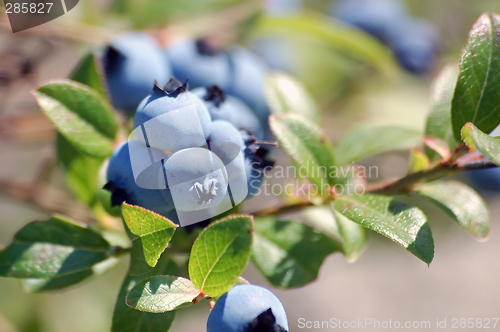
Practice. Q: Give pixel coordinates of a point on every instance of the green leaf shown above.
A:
(220, 254)
(162, 293)
(150, 234)
(476, 139)
(80, 115)
(127, 319)
(58, 283)
(439, 120)
(353, 236)
(362, 143)
(477, 97)
(52, 248)
(400, 222)
(461, 203)
(418, 161)
(307, 145)
(89, 72)
(285, 94)
(82, 170)
(333, 34)
(288, 253)
(349, 236)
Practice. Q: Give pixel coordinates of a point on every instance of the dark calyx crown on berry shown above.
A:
(118, 195)
(112, 59)
(204, 48)
(172, 89)
(265, 322)
(257, 153)
(215, 95)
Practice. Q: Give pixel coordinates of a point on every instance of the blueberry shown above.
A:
(248, 308)
(486, 179)
(282, 7)
(248, 72)
(226, 142)
(225, 107)
(376, 17)
(173, 118)
(196, 178)
(123, 186)
(196, 61)
(278, 53)
(132, 63)
(414, 42)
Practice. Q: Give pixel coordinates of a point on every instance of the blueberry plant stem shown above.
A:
(405, 184)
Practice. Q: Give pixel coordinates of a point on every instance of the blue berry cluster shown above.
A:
(413, 41)
(188, 146)
(133, 61)
(248, 308)
(187, 134)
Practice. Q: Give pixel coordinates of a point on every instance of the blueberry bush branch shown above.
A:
(172, 182)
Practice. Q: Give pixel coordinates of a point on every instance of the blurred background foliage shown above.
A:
(355, 80)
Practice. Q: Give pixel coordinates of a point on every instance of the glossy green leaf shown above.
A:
(400, 222)
(289, 253)
(81, 170)
(476, 139)
(162, 293)
(439, 120)
(353, 236)
(477, 97)
(461, 203)
(349, 236)
(80, 115)
(362, 143)
(89, 72)
(220, 254)
(58, 283)
(285, 94)
(127, 319)
(333, 34)
(307, 145)
(52, 248)
(150, 234)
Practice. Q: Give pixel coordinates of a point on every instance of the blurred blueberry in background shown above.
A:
(487, 179)
(414, 42)
(198, 62)
(132, 63)
(282, 7)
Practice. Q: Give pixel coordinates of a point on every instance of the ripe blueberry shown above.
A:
(486, 179)
(248, 72)
(282, 7)
(226, 142)
(414, 42)
(122, 184)
(376, 17)
(225, 107)
(198, 62)
(132, 63)
(196, 178)
(248, 308)
(173, 118)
